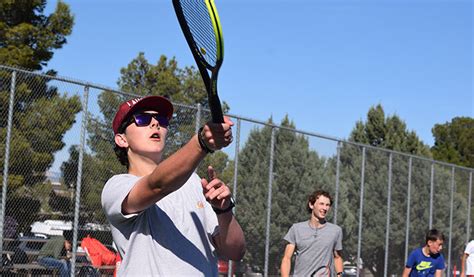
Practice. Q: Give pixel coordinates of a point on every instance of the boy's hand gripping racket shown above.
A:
(201, 27)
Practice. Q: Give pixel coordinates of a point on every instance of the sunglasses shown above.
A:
(144, 119)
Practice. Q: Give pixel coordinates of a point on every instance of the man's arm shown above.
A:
(286, 261)
(230, 241)
(439, 272)
(406, 272)
(338, 261)
(171, 173)
(463, 264)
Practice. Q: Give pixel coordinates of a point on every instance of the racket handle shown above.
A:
(216, 110)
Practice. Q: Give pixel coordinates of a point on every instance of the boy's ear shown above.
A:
(121, 140)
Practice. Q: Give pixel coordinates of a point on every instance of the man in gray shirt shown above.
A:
(166, 220)
(318, 243)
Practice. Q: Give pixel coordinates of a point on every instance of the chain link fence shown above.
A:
(56, 153)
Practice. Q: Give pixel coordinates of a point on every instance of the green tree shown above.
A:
(454, 141)
(390, 133)
(42, 114)
(27, 36)
(387, 132)
(90, 194)
(297, 172)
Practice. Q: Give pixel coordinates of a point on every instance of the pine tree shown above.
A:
(41, 113)
(298, 171)
(390, 133)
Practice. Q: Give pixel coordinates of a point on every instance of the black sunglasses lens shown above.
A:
(162, 120)
(145, 119)
(142, 119)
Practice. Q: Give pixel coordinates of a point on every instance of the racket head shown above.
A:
(201, 26)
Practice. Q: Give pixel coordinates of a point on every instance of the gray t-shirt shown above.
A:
(171, 238)
(314, 246)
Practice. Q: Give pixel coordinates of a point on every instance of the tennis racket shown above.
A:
(200, 24)
(322, 271)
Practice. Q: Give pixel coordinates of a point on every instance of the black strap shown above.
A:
(231, 205)
(202, 143)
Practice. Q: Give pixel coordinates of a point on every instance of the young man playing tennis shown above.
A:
(165, 220)
(318, 243)
(427, 261)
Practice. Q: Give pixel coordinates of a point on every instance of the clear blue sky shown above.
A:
(322, 62)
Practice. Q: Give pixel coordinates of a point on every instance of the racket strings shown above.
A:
(200, 24)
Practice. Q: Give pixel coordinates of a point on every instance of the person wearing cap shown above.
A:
(165, 220)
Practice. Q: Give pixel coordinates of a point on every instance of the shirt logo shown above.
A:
(423, 266)
(200, 205)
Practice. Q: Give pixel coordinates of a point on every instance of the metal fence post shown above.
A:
(269, 202)
(198, 121)
(7, 160)
(361, 208)
(198, 117)
(430, 224)
(468, 223)
(407, 230)
(387, 226)
(451, 219)
(336, 196)
(234, 192)
(79, 178)
(236, 159)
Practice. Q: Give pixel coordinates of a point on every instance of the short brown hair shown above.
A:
(434, 235)
(315, 195)
(121, 152)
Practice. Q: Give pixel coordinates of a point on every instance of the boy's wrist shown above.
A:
(228, 209)
(202, 143)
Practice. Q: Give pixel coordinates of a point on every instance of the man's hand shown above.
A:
(230, 241)
(217, 135)
(215, 191)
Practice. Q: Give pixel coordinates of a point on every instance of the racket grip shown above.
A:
(216, 109)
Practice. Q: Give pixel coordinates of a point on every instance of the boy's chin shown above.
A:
(321, 219)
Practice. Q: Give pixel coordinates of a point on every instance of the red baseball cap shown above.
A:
(154, 103)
